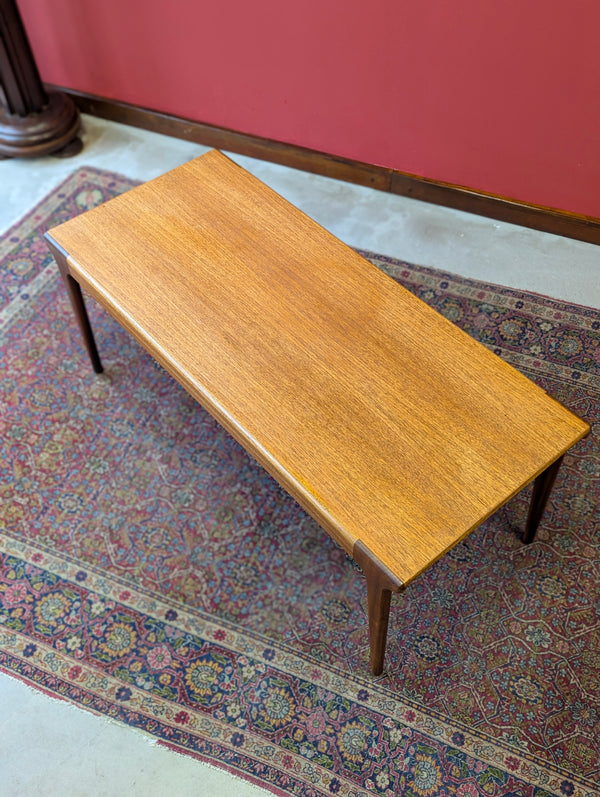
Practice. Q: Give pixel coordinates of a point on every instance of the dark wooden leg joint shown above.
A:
(381, 582)
(542, 487)
(76, 297)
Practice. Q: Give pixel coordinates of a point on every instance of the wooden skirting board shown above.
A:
(559, 222)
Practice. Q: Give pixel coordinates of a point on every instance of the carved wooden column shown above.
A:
(32, 122)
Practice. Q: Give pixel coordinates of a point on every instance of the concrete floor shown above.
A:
(49, 747)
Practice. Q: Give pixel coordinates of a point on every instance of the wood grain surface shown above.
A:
(386, 422)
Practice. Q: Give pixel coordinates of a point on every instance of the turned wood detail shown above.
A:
(32, 121)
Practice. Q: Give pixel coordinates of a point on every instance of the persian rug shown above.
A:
(151, 572)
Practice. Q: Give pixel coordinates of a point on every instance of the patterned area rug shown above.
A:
(151, 572)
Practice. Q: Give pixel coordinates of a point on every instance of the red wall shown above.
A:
(501, 96)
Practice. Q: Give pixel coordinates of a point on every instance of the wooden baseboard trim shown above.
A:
(558, 222)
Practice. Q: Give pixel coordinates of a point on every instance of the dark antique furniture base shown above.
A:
(32, 122)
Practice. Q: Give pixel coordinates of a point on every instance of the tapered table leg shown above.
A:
(542, 487)
(76, 297)
(380, 584)
(379, 600)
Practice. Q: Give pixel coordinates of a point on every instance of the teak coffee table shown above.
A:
(395, 430)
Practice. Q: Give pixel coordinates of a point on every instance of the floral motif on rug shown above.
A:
(150, 571)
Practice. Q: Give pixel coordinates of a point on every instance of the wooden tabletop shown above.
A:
(384, 420)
